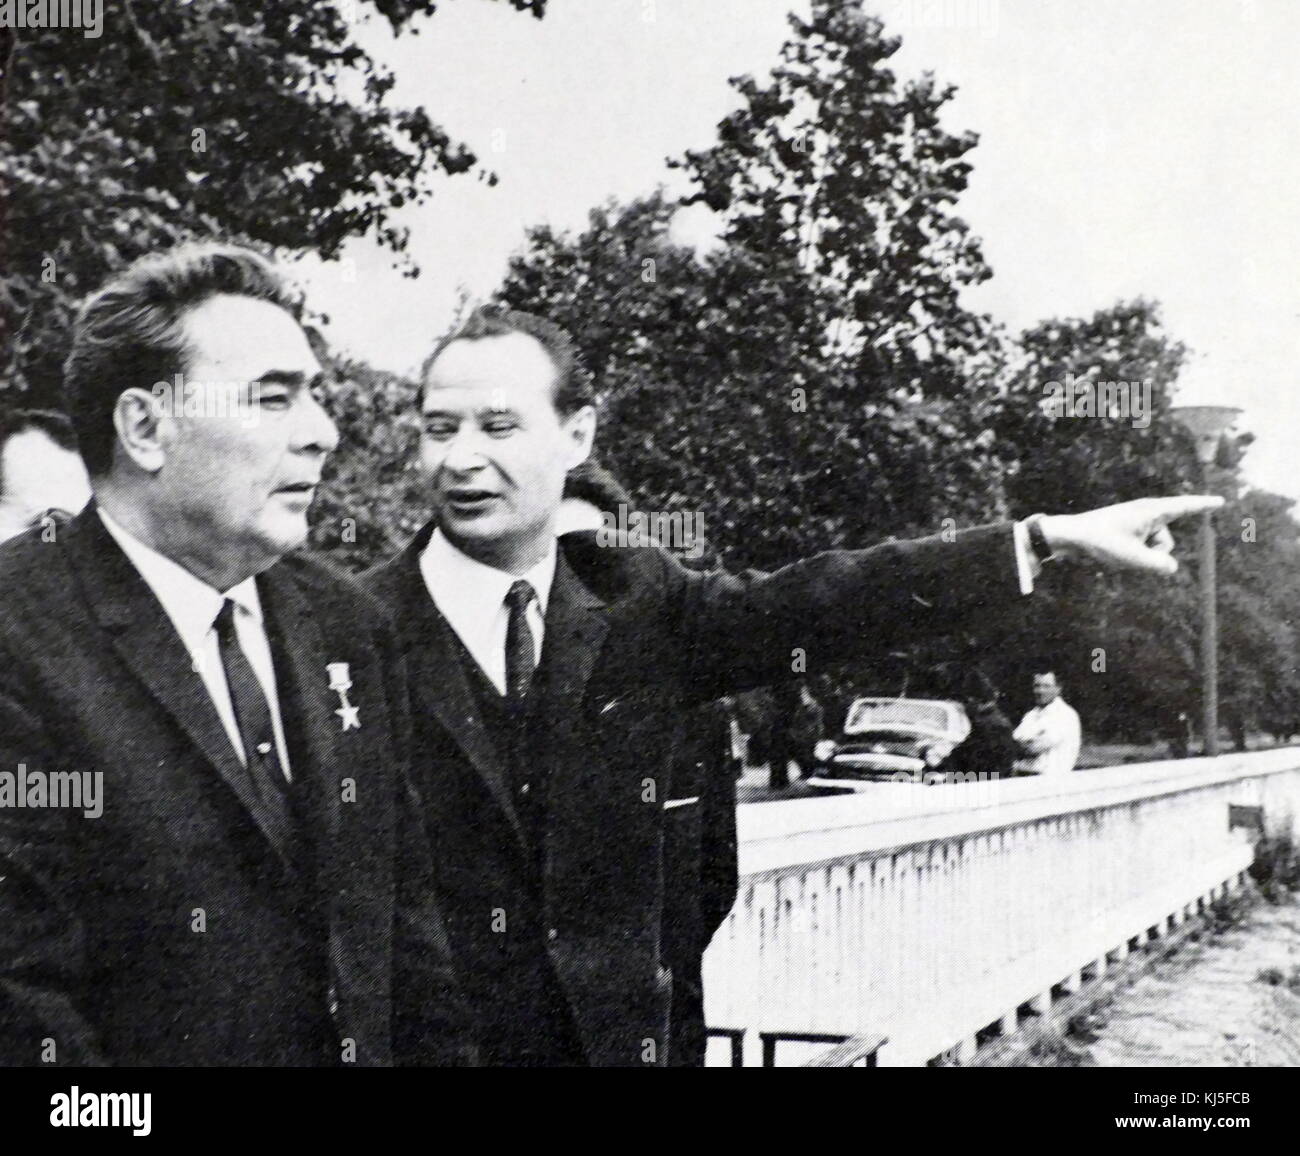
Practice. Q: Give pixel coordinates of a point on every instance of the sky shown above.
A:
(1126, 149)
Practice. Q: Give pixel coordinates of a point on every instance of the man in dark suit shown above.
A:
(210, 846)
(548, 679)
(701, 872)
(700, 868)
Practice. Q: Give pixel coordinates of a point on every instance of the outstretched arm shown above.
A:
(737, 633)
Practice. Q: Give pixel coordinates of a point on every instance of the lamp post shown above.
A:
(1207, 425)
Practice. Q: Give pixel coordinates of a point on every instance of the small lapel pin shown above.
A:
(341, 683)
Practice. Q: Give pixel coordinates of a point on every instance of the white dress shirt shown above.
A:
(193, 605)
(472, 598)
(1052, 736)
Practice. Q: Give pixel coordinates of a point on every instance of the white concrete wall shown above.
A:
(927, 913)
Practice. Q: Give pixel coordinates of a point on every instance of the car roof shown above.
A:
(942, 716)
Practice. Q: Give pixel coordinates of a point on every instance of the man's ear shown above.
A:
(580, 426)
(139, 418)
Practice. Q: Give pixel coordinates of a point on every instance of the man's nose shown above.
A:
(316, 429)
(464, 452)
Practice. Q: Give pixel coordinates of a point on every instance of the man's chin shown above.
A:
(285, 536)
(487, 540)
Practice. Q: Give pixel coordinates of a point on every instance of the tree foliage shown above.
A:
(372, 498)
(263, 122)
(1128, 646)
(849, 175)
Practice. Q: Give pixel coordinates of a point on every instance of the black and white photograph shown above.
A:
(649, 534)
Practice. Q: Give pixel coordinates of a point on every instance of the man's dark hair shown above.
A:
(573, 384)
(51, 423)
(589, 481)
(977, 687)
(130, 334)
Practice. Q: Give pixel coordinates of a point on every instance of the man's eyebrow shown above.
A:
(289, 377)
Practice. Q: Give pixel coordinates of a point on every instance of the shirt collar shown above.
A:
(190, 603)
(453, 578)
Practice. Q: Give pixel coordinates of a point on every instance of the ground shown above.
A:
(1230, 999)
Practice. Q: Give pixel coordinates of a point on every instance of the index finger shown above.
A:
(1179, 506)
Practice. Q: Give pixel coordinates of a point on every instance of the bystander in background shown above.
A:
(40, 469)
(1049, 735)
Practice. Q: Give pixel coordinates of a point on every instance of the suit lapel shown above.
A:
(576, 625)
(439, 681)
(147, 642)
(298, 648)
(351, 860)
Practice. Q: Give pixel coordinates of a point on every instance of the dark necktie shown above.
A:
(253, 717)
(521, 658)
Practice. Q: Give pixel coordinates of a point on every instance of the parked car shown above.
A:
(891, 739)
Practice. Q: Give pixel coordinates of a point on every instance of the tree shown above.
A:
(263, 122)
(1128, 647)
(372, 497)
(850, 177)
(815, 381)
(1066, 458)
(1259, 582)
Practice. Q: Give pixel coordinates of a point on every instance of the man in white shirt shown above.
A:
(1049, 734)
(255, 888)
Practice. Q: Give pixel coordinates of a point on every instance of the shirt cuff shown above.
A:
(1027, 565)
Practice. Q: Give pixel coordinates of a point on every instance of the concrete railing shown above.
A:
(926, 914)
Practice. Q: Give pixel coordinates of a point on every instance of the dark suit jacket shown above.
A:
(101, 949)
(632, 638)
(700, 869)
